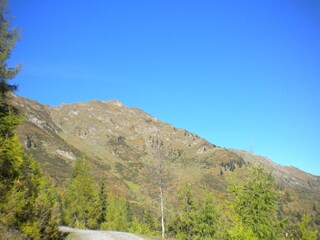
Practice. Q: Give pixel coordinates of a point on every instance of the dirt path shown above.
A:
(81, 234)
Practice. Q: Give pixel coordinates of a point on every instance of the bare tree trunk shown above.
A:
(162, 212)
(159, 159)
(159, 175)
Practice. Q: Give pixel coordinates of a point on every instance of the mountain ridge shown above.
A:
(119, 142)
(118, 103)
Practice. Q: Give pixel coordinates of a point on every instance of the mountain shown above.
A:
(121, 144)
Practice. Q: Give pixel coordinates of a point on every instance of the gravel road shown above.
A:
(82, 234)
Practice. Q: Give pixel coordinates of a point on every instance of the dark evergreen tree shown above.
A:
(8, 37)
(10, 158)
(102, 203)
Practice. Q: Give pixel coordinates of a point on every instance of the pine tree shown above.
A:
(31, 204)
(26, 206)
(197, 218)
(102, 203)
(206, 218)
(119, 214)
(10, 157)
(241, 232)
(80, 203)
(183, 225)
(255, 205)
(306, 232)
(8, 38)
(47, 210)
(150, 221)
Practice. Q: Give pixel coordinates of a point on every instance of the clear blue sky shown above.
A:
(233, 72)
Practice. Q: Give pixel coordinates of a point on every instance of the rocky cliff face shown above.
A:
(120, 144)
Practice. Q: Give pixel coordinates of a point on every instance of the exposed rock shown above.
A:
(65, 154)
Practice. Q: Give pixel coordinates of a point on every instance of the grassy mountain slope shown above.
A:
(119, 141)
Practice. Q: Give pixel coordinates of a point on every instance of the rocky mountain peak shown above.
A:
(115, 102)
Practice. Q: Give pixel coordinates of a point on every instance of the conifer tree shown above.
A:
(81, 204)
(10, 156)
(197, 218)
(8, 38)
(239, 231)
(119, 215)
(255, 205)
(102, 203)
(184, 223)
(149, 220)
(206, 218)
(26, 206)
(306, 232)
(31, 205)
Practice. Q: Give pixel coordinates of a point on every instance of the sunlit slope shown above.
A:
(119, 142)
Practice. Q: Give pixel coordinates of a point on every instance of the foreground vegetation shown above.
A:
(32, 208)
(251, 211)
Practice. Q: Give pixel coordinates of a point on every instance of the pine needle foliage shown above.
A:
(197, 218)
(119, 215)
(28, 204)
(8, 37)
(255, 205)
(81, 204)
(306, 231)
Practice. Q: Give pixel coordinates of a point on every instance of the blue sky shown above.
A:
(237, 73)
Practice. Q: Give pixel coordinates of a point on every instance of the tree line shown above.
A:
(251, 211)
